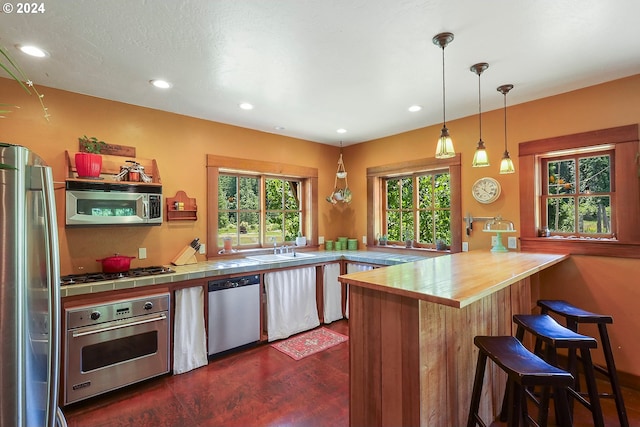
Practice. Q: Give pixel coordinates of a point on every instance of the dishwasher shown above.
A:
(234, 313)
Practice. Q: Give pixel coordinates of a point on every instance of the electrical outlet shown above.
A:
(321, 240)
(494, 240)
(203, 249)
(364, 240)
(142, 253)
(465, 246)
(512, 243)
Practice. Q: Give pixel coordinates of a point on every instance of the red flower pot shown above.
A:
(88, 165)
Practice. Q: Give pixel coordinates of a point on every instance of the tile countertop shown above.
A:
(211, 269)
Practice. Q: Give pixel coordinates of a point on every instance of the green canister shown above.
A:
(338, 245)
(352, 244)
(328, 245)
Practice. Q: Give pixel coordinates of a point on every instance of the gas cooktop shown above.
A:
(77, 279)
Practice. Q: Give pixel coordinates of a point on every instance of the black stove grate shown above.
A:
(77, 279)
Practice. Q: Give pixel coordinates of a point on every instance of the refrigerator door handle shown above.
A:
(53, 267)
(61, 421)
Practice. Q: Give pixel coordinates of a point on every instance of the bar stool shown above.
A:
(524, 369)
(554, 336)
(575, 316)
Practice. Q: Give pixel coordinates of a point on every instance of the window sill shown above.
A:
(401, 248)
(607, 248)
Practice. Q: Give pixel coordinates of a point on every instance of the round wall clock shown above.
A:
(486, 190)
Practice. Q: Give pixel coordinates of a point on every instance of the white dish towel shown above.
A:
(189, 337)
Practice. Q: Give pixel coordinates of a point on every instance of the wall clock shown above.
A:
(486, 190)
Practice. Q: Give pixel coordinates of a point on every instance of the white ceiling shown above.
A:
(313, 66)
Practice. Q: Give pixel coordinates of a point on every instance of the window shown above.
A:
(577, 197)
(242, 210)
(585, 188)
(418, 208)
(418, 200)
(256, 207)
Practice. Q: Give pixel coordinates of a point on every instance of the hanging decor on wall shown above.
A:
(506, 164)
(341, 192)
(480, 158)
(444, 149)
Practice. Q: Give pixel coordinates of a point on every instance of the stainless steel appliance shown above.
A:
(112, 203)
(114, 344)
(77, 279)
(234, 312)
(29, 292)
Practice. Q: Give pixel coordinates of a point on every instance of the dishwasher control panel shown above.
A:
(233, 282)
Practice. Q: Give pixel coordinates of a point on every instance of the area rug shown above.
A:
(308, 343)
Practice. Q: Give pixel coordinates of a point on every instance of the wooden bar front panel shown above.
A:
(412, 362)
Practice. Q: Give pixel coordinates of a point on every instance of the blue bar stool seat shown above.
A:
(524, 369)
(551, 336)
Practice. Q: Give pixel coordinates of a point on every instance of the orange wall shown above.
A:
(180, 143)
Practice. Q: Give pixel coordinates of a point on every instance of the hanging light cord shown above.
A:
(479, 106)
(505, 122)
(444, 112)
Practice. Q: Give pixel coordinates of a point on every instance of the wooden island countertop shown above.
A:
(411, 329)
(456, 280)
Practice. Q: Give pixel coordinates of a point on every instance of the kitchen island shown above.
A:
(411, 329)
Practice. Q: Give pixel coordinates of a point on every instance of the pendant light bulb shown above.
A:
(444, 148)
(506, 164)
(480, 157)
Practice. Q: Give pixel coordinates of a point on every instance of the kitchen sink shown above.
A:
(279, 257)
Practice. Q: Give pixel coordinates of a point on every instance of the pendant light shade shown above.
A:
(444, 148)
(506, 164)
(480, 158)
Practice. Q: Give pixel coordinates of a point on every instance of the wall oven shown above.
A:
(113, 344)
(105, 203)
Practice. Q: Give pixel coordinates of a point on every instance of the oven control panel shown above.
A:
(114, 310)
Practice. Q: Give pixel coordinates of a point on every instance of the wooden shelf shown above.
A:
(111, 167)
(188, 211)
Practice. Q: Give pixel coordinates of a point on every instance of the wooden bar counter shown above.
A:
(411, 329)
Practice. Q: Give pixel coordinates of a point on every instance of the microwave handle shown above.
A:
(145, 209)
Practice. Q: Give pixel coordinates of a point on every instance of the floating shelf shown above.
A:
(181, 208)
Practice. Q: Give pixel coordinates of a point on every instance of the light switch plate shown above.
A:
(364, 240)
(321, 240)
(142, 253)
(465, 246)
(512, 243)
(203, 249)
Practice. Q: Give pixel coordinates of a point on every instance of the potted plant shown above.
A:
(408, 239)
(301, 240)
(89, 160)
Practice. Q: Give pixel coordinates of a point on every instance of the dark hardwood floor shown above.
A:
(256, 387)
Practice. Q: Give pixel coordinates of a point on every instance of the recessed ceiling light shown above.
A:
(279, 128)
(341, 130)
(415, 108)
(33, 51)
(162, 84)
(246, 106)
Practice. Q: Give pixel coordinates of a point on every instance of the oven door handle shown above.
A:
(98, 329)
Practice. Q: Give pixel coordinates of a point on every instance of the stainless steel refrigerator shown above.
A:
(29, 292)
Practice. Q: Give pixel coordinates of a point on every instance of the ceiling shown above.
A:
(312, 66)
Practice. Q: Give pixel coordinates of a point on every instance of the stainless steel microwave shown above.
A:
(105, 203)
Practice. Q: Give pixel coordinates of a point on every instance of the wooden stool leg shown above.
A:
(613, 375)
(472, 420)
(594, 398)
(562, 407)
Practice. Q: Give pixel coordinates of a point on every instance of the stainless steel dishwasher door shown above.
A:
(234, 313)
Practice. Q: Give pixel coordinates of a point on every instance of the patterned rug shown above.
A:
(308, 343)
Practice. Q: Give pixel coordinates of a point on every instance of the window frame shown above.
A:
(376, 199)
(624, 142)
(308, 177)
(576, 156)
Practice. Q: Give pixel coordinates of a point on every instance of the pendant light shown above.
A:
(480, 158)
(506, 165)
(444, 149)
(341, 192)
